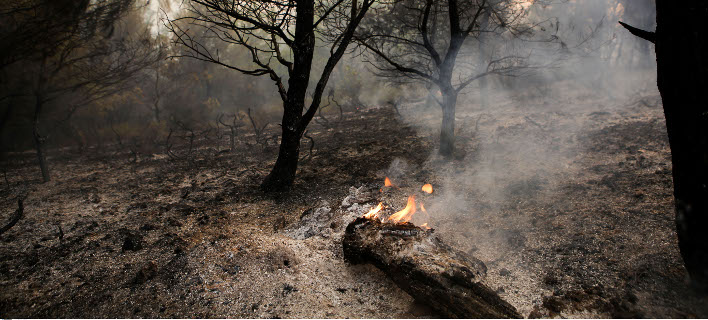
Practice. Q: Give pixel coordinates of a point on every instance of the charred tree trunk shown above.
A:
(6, 115)
(457, 38)
(294, 120)
(282, 175)
(682, 66)
(682, 74)
(447, 128)
(232, 139)
(482, 58)
(39, 140)
(448, 280)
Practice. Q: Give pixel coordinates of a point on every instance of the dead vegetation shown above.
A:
(161, 236)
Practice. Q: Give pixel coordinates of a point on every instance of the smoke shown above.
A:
(518, 138)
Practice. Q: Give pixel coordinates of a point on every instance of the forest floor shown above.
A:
(569, 205)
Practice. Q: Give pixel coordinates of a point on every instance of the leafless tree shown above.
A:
(233, 126)
(446, 43)
(68, 51)
(281, 37)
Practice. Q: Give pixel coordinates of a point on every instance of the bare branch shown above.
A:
(646, 35)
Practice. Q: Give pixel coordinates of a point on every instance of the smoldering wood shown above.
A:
(448, 280)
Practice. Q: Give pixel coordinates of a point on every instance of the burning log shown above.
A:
(448, 280)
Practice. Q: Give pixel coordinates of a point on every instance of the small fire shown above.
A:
(373, 213)
(406, 214)
(427, 188)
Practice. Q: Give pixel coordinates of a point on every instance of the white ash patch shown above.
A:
(359, 196)
(323, 220)
(313, 222)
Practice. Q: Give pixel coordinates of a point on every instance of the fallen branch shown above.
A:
(535, 123)
(16, 217)
(448, 280)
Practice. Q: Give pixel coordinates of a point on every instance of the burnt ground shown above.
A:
(581, 225)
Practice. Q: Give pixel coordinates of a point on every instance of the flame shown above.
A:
(388, 183)
(427, 188)
(406, 214)
(374, 213)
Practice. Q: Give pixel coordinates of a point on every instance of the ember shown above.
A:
(427, 188)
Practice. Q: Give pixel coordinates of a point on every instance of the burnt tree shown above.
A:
(281, 38)
(425, 40)
(681, 40)
(66, 50)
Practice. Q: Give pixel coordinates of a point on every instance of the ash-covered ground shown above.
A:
(567, 201)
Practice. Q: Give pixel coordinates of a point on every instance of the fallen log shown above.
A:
(447, 280)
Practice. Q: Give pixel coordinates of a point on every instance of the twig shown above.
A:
(258, 130)
(476, 124)
(61, 232)
(312, 145)
(535, 123)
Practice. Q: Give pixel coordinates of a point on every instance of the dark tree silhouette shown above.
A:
(280, 35)
(681, 40)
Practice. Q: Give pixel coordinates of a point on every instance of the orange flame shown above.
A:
(374, 213)
(388, 183)
(406, 214)
(425, 226)
(427, 188)
(422, 208)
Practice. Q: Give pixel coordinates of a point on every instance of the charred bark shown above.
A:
(682, 66)
(39, 141)
(447, 128)
(282, 175)
(681, 40)
(448, 280)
